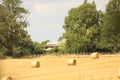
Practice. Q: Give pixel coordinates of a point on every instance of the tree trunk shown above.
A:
(115, 46)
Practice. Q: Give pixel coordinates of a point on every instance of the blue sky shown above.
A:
(47, 17)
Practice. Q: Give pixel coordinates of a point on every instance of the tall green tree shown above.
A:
(12, 24)
(111, 28)
(82, 28)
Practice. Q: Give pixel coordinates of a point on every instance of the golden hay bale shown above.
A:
(7, 78)
(71, 62)
(95, 55)
(119, 73)
(35, 64)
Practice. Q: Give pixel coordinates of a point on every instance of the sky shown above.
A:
(46, 17)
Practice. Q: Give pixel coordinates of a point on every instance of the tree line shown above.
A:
(86, 30)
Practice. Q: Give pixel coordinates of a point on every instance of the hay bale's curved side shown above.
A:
(71, 62)
(119, 73)
(7, 78)
(35, 64)
(95, 55)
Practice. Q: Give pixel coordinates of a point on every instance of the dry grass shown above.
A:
(7, 78)
(56, 68)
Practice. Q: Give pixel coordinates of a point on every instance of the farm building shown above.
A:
(50, 46)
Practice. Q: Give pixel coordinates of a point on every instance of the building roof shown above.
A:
(52, 45)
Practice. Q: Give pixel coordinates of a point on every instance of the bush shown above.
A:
(55, 50)
(2, 56)
(3, 51)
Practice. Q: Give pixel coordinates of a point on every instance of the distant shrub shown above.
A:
(2, 56)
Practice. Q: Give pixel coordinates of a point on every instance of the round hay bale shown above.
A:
(7, 78)
(71, 62)
(35, 64)
(95, 55)
(119, 73)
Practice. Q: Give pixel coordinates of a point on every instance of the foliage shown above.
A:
(2, 52)
(86, 30)
(12, 26)
(111, 28)
(44, 42)
(39, 47)
(82, 26)
(62, 43)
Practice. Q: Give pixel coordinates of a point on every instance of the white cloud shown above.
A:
(46, 9)
(53, 8)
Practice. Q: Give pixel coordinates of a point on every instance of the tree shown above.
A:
(111, 28)
(26, 47)
(82, 26)
(61, 42)
(12, 24)
(44, 42)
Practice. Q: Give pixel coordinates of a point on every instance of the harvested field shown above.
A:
(56, 68)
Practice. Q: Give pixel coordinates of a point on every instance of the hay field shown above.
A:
(56, 68)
